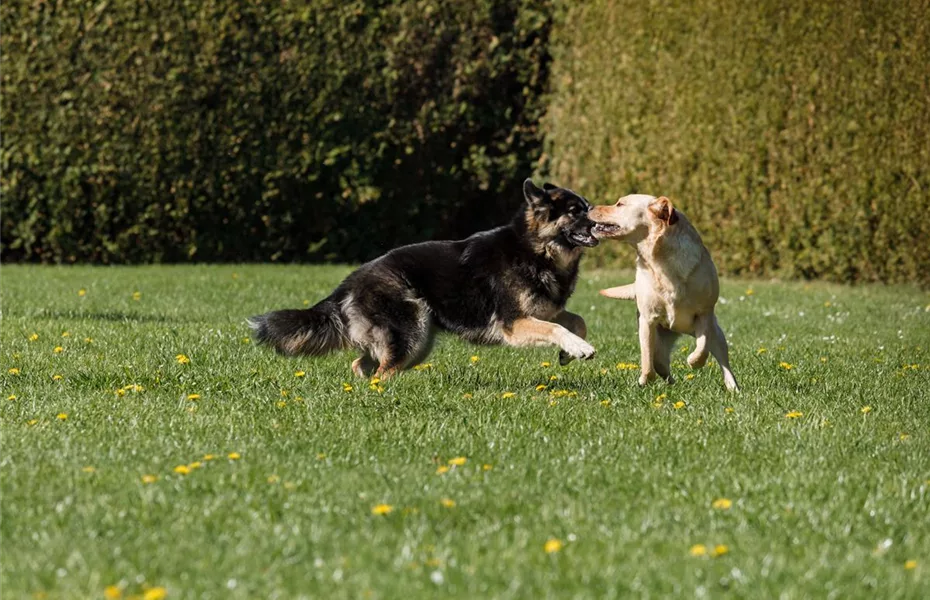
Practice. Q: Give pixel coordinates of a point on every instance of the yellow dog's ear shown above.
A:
(663, 210)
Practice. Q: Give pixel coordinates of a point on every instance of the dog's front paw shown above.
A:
(575, 347)
(645, 378)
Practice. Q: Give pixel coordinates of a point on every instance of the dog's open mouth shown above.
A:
(581, 238)
(605, 230)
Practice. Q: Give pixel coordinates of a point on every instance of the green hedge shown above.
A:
(794, 134)
(252, 130)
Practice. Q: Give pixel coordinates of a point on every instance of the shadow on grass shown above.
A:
(112, 316)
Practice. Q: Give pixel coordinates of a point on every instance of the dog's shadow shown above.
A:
(112, 316)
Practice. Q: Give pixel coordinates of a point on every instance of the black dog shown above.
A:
(508, 285)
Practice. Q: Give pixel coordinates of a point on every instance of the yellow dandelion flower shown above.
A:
(182, 359)
(246, 340)
(193, 396)
(605, 402)
(904, 436)
(553, 377)
(300, 373)
(13, 371)
(678, 405)
(306, 303)
(486, 467)
(58, 350)
(423, 367)
(234, 456)
(272, 479)
(62, 416)
(762, 350)
(507, 395)
(795, 414)
(321, 456)
(823, 359)
(728, 410)
(467, 396)
(722, 503)
(448, 502)
(82, 292)
(541, 387)
(346, 387)
(57, 377)
(11, 397)
(442, 469)
(865, 410)
(661, 397)
(827, 304)
(786, 366)
(698, 550)
(689, 376)
(749, 292)
(34, 337)
(281, 404)
(65, 334)
(120, 392)
(552, 545)
(112, 592)
(553, 402)
(720, 549)
(624, 366)
(182, 469)
(657, 404)
(910, 564)
(155, 593)
(88, 340)
(545, 364)
(475, 359)
(88, 469)
(375, 381)
(284, 393)
(32, 422)
(195, 465)
(149, 478)
(209, 456)
(137, 296)
(381, 509)
(458, 461)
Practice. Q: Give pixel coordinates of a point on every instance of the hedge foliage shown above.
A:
(252, 130)
(795, 135)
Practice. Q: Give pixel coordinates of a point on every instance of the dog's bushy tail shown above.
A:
(314, 331)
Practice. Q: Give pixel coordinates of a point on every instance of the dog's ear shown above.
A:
(663, 210)
(534, 196)
(549, 187)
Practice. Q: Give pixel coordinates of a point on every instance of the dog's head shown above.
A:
(633, 218)
(558, 214)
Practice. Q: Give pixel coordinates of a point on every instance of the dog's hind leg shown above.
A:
(576, 325)
(662, 359)
(717, 343)
(364, 366)
(702, 326)
(621, 292)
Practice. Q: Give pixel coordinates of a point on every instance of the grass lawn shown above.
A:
(244, 474)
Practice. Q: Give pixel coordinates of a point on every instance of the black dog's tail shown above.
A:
(315, 331)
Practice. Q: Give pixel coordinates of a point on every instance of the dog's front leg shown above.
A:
(576, 325)
(647, 348)
(536, 332)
